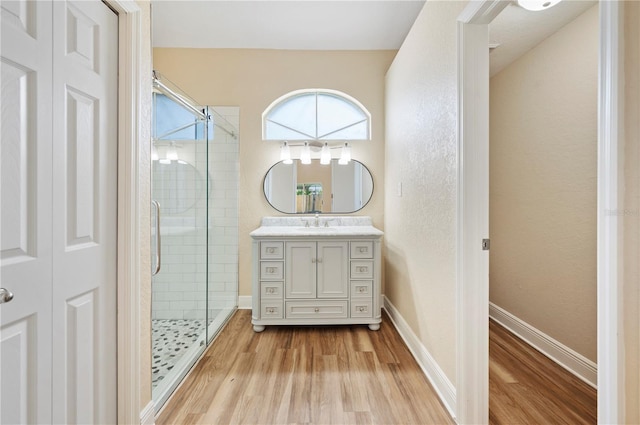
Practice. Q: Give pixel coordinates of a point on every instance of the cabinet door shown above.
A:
(300, 270)
(333, 269)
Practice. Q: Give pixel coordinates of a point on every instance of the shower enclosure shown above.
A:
(194, 230)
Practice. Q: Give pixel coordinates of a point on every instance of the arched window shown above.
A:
(316, 114)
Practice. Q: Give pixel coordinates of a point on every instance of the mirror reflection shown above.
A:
(177, 185)
(315, 188)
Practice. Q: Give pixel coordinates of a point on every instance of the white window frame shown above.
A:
(296, 93)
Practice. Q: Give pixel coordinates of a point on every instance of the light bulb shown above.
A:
(325, 155)
(285, 154)
(172, 153)
(345, 155)
(305, 154)
(537, 5)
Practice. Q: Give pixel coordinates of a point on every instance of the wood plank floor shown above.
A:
(305, 375)
(351, 375)
(526, 387)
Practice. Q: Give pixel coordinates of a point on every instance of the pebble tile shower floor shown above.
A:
(171, 339)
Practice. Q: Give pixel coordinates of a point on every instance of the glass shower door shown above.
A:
(222, 290)
(179, 211)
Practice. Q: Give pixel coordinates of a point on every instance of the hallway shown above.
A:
(526, 387)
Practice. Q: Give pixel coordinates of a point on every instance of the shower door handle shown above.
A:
(156, 270)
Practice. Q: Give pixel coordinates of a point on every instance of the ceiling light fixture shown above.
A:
(537, 5)
(325, 155)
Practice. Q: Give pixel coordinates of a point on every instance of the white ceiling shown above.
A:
(301, 24)
(517, 30)
(337, 25)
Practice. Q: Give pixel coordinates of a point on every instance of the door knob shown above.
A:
(5, 296)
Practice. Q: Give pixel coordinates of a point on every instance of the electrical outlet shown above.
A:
(399, 190)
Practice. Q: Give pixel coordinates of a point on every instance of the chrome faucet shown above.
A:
(317, 220)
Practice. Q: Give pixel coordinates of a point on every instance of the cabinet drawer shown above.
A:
(361, 308)
(362, 270)
(361, 288)
(271, 270)
(271, 310)
(271, 250)
(271, 290)
(317, 309)
(362, 249)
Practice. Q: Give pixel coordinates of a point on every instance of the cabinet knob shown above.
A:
(363, 249)
(316, 309)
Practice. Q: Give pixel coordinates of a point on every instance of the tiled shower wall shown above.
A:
(223, 212)
(180, 289)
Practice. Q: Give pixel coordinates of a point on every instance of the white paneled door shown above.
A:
(58, 202)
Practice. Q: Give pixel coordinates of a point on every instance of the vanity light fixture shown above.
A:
(325, 155)
(172, 153)
(165, 159)
(537, 5)
(285, 154)
(345, 155)
(154, 152)
(305, 154)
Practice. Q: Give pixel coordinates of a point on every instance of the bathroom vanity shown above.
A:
(316, 271)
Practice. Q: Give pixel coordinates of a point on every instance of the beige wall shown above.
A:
(420, 233)
(631, 214)
(145, 196)
(543, 185)
(252, 79)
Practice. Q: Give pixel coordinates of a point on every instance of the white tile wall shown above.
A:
(180, 289)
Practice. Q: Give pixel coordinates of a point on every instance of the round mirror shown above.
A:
(315, 188)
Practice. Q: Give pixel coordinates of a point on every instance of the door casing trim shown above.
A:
(472, 282)
(129, 214)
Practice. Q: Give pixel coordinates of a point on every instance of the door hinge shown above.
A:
(485, 244)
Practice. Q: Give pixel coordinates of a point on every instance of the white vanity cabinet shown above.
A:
(307, 276)
(316, 269)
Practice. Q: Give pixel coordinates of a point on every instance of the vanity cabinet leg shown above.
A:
(260, 328)
(374, 326)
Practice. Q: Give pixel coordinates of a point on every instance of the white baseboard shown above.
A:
(244, 302)
(445, 389)
(148, 415)
(572, 361)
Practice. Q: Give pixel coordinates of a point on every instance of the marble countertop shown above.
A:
(297, 226)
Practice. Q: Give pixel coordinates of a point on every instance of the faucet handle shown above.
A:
(306, 223)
